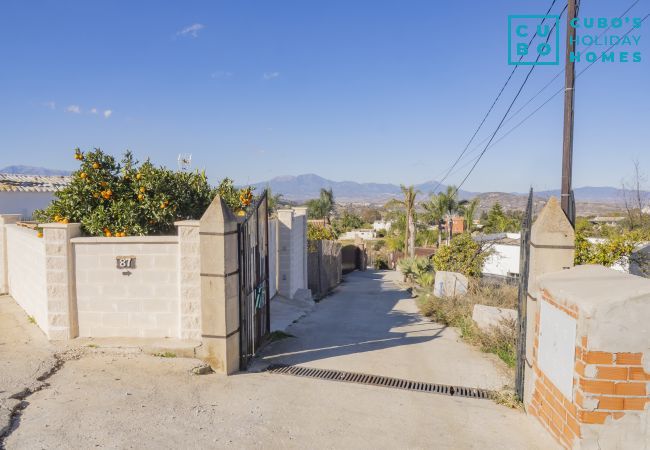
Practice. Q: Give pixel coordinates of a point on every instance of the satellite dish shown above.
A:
(184, 161)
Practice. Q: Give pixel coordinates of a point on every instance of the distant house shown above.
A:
(457, 225)
(379, 225)
(23, 194)
(503, 261)
(604, 220)
(365, 234)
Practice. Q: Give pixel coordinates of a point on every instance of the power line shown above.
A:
(493, 103)
(548, 36)
(488, 146)
(513, 115)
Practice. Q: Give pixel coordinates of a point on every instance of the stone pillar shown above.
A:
(5, 219)
(285, 227)
(62, 322)
(219, 288)
(189, 279)
(552, 248)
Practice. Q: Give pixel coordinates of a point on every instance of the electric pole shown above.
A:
(569, 96)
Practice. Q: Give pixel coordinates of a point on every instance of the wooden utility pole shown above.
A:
(569, 95)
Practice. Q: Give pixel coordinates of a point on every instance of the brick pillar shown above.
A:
(285, 228)
(592, 358)
(62, 320)
(219, 288)
(5, 219)
(189, 279)
(552, 248)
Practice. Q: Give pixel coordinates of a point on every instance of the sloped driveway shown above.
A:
(370, 325)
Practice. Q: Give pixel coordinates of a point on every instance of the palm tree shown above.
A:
(470, 212)
(409, 205)
(321, 207)
(446, 204)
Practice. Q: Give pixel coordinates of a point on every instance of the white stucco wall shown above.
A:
(298, 253)
(142, 304)
(26, 272)
(273, 257)
(504, 259)
(24, 203)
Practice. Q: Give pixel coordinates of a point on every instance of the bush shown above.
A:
(463, 255)
(457, 312)
(380, 263)
(320, 233)
(127, 198)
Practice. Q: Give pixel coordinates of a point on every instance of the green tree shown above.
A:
(321, 207)
(445, 205)
(499, 221)
(470, 212)
(116, 199)
(463, 255)
(408, 204)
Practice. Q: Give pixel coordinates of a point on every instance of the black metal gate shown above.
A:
(254, 306)
(524, 265)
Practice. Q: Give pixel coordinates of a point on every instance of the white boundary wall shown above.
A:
(25, 256)
(138, 302)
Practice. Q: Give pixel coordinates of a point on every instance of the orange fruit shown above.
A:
(142, 189)
(140, 197)
(138, 176)
(96, 166)
(83, 175)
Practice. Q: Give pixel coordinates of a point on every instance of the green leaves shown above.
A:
(462, 255)
(127, 198)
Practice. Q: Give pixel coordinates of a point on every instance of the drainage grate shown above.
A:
(377, 380)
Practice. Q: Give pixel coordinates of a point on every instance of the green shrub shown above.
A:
(463, 255)
(320, 233)
(457, 312)
(127, 198)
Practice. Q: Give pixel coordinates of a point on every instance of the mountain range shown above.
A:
(31, 170)
(303, 187)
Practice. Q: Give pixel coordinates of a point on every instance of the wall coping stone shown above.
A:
(187, 223)
(593, 285)
(126, 240)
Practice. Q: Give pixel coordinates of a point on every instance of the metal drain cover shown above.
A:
(377, 380)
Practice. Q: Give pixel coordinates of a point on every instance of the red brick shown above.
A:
(610, 403)
(597, 387)
(597, 358)
(593, 416)
(617, 415)
(612, 373)
(630, 389)
(574, 426)
(637, 373)
(629, 359)
(580, 368)
(637, 404)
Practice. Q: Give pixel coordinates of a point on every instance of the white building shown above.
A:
(23, 194)
(379, 225)
(365, 234)
(503, 260)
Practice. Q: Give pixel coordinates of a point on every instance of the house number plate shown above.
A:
(125, 262)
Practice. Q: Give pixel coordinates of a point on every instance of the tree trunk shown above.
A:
(411, 233)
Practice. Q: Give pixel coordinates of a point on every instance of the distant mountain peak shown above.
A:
(32, 170)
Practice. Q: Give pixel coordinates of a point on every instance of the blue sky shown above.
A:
(384, 91)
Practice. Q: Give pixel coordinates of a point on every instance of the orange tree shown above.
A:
(111, 198)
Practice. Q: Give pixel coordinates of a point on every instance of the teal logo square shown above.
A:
(521, 28)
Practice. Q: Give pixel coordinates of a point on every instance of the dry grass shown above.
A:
(457, 312)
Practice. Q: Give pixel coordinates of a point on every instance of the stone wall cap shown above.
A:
(59, 225)
(126, 240)
(593, 285)
(188, 223)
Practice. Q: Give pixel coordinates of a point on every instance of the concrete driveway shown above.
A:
(108, 398)
(370, 325)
